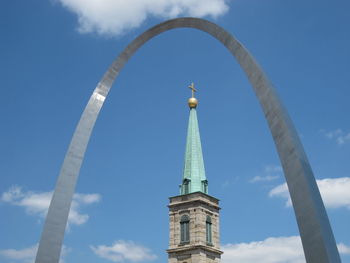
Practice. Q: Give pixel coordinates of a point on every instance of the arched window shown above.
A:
(185, 229)
(208, 230)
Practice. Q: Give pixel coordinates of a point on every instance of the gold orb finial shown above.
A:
(192, 102)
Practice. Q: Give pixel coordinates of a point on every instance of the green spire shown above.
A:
(193, 179)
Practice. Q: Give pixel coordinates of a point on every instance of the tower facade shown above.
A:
(194, 215)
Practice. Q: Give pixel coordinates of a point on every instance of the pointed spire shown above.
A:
(194, 179)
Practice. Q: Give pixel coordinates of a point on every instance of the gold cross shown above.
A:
(193, 89)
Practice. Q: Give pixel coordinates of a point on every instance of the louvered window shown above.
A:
(208, 230)
(185, 229)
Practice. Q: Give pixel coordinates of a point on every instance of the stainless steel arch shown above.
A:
(315, 230)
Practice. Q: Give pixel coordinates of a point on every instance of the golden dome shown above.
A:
(192, 102)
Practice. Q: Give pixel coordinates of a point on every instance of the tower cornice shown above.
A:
(194, 247)
(194, 199)
(198, 193)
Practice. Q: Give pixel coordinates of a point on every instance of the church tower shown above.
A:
(194, 214)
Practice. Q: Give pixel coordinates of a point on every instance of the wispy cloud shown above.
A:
(124, 251)
(37, 203)
(270, 250)
(338, 135)
(115, 17)
(26, 255)
(334, 191)
(270, 173)
(265, 178)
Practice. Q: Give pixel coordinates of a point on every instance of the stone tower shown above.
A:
(194, 215)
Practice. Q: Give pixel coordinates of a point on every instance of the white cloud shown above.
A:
(270, 250)
(37, 203)
(271, 172)
(343, 249)
(335, 192)
(115, 17)
(338, 135)
(122, 251)
(26, 255)
(20, 255)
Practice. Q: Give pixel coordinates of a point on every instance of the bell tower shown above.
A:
(194, 214)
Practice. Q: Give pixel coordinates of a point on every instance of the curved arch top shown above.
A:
(314, 227)
(185, 218)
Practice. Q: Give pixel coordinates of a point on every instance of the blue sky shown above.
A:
(53, 53)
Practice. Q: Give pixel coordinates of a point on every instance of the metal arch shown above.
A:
(314, 227)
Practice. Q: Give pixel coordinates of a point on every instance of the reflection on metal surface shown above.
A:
(315, 231)
(99, 97)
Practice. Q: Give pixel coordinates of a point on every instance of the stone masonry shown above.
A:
(197, 206)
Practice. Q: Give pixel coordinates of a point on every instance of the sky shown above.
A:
(52, 55)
